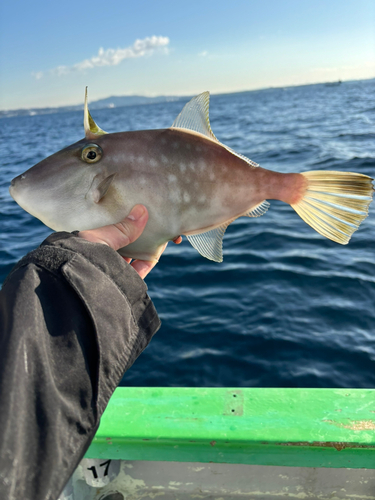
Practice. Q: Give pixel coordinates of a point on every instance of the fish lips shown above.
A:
(23, 194)
(15, 189)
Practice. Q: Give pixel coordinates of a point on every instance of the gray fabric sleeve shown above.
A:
(74, 316)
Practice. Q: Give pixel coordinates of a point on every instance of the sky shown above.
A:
(49, 51)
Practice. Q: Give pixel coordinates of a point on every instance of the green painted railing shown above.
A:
(291, 427)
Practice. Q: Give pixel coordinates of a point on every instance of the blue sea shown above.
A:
(287, 307)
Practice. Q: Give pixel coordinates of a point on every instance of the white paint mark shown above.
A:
(132, 486)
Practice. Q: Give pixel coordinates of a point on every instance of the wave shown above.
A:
(363, 136)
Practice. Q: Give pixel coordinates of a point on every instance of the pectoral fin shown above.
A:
(99, 191)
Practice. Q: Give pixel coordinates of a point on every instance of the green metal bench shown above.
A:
(289, 427)
(224, 443)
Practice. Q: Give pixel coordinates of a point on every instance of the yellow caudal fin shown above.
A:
(335, 203)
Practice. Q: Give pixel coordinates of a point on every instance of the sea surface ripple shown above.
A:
(287, 307)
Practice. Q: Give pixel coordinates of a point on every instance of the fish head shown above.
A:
(67, 190)
(74, 188)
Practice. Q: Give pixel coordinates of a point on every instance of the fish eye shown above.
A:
(91, 153)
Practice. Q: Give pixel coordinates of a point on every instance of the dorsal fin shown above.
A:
(195, 116)
(92, 130)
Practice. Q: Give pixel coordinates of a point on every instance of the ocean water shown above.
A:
(287, 307)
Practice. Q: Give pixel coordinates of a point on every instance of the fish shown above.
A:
(190, 183)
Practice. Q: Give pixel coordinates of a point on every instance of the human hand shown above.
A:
(123, 233)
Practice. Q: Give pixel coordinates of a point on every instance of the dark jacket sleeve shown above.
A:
(74, 316)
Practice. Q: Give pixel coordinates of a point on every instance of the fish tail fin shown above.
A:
(335, 203)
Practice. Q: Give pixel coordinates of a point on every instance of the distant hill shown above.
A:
(133, 100)
(108, 102)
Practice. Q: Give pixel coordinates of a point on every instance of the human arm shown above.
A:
(74, 317)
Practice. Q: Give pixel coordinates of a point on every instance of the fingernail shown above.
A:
(136, 212)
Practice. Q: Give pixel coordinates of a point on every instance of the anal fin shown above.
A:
(210, 243)
(258, 210)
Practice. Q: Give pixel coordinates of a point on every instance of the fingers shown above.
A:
(143, 267)
(121, 234)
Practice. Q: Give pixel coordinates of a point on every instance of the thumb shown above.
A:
(121, 234)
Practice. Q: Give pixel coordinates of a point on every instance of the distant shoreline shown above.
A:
(137, 100)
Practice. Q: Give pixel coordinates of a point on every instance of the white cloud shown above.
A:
(203, 54)
(37, 75)
(113, 57)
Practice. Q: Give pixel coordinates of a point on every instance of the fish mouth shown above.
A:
(14, 182)
(25, 197)
(14, 187)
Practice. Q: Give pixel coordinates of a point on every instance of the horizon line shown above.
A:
(189, 95)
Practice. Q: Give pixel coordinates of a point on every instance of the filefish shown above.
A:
(190, 182)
